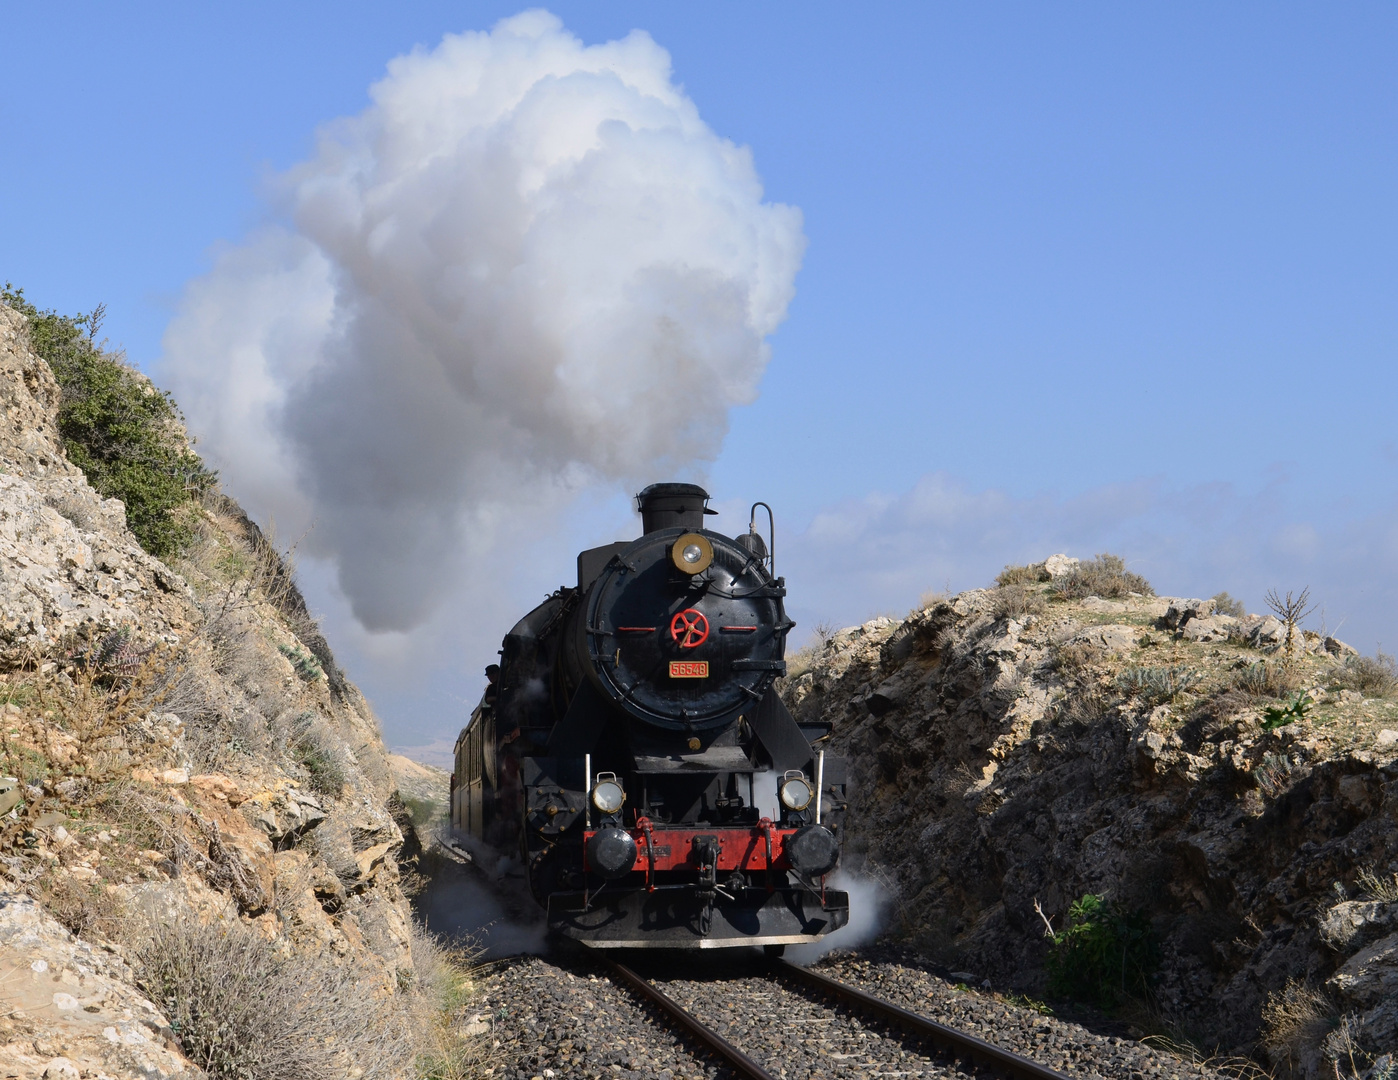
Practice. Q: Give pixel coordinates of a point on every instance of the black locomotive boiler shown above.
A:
(631, 750)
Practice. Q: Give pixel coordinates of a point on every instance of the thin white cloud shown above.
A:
(881, 553)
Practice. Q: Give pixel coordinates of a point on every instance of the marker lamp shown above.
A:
(607, 793)
(796, 791)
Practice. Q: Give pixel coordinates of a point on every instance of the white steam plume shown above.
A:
(528, 267)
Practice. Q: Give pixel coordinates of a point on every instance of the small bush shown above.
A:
(1373, 676)
(243, 1011)
(1295, 1021)
(1017, 601)
(1157, 685)
(424, 811)
(1226, 605)
(1105, 954)
(1373, 886)
(1264, 680)
(1072, 657)
(123, 433)
(1104, 576)
(88, 911)
(1082, 709)
(1273, 774)
(1021, 575)
(319, 756)
(306, 666)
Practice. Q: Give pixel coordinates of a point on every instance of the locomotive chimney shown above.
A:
(669, 506)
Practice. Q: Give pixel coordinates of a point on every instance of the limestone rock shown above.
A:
(1098, 606)
(993, 765)
(1354, 923)
(63, 991)
(1209, 628)
(1057, 566)
(283, 813)
(1371, 975)
(1113, 638)
(1336, 647)
(215, 767)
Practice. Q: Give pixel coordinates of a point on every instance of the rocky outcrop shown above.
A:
(70, 1007)
(1117, 746)
(181, 742)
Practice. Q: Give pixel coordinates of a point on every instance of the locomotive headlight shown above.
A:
(813, 851)
(796, 791)
(607, 793)
(692, 553)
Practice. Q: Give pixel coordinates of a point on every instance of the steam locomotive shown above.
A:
(630, 748)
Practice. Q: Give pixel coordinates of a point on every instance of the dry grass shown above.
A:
(1104, 576)
(1017, 601)
(1264, 680)
(1072, 657)
(1373, 886)
(245, 1011)
(442, 975)
(800, 662)
(89, 911)
(76, 734)
(930, 599)
(1021, 575)
(1295, 1023)
(1083, 709)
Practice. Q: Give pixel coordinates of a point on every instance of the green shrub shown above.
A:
(314, 753)
(424, 811)
(1276, 716)
(123, 433)
(1016, 601)
(307, 666)
(1104, 576)
(1226, 605)
(1105, 954)
(1157, 685)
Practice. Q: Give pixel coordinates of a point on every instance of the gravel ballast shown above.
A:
(568, 1019)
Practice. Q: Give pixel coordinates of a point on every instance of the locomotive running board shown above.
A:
(707, 943)
(677, 919)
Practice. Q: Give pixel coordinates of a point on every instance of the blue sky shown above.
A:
(1082, 277)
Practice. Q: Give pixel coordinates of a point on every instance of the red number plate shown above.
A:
(689, 669)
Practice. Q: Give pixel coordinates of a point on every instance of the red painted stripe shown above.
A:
(739, 849)
(737, 629)
(635, 629)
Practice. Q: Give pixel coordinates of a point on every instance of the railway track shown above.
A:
(650, 1017)
(962, 1053)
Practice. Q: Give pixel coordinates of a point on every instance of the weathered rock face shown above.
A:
(183, 742)
(70, 1007)
(1105, 746)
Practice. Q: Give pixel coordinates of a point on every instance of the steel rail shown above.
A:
(709, 1039)
(1019, 1068)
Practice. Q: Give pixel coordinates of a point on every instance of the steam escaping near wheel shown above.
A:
(527, 269)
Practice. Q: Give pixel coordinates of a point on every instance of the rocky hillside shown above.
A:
(1233, 799)
(198, 853)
